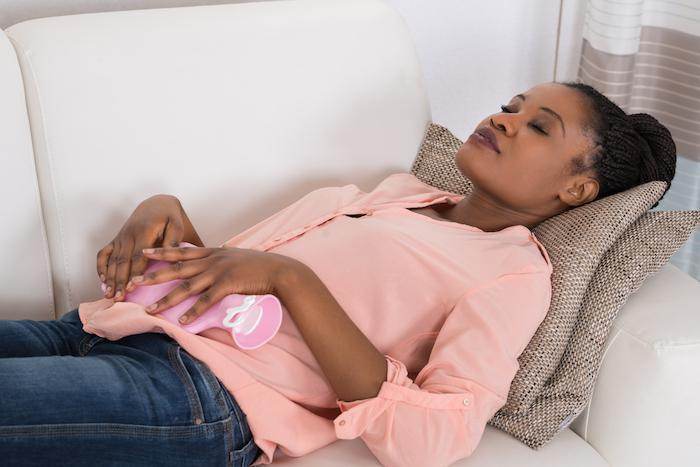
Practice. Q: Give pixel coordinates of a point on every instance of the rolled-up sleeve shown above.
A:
(440, 417)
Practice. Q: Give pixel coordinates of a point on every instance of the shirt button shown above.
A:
(342, 422)
(197, 421)
(465, 401)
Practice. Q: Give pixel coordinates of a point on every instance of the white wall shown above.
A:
(478, 54)
(475, 54)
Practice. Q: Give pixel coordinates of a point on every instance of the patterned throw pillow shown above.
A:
(597, 256)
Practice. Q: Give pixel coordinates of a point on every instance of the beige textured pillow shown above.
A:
(540, 401)
(639, 252)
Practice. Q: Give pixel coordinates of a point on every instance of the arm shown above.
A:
(353, 366)
(440, 418)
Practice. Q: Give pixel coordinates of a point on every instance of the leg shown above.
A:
(30, 338)
(138, 401)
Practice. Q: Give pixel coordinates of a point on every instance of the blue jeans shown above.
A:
(72, 398)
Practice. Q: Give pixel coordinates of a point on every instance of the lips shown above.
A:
(490, 137)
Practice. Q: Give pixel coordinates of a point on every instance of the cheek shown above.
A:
(518, 180)
(536, 171)
(537, 182)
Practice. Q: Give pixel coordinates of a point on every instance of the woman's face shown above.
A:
(530, 172)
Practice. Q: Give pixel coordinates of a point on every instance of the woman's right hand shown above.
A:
(158, 221)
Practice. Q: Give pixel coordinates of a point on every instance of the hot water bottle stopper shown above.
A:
(252, 320)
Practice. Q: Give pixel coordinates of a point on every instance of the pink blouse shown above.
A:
(450, 306)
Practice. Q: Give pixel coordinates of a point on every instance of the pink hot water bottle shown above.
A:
(252, 320)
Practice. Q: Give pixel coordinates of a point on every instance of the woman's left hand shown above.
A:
(215, 273)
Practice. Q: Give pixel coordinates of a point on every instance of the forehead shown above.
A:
(565, 101)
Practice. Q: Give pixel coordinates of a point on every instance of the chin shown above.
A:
(465, 160)
(479, 169)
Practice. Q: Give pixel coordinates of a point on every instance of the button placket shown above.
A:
(296, 232)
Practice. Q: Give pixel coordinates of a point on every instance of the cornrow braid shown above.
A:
(630, 149)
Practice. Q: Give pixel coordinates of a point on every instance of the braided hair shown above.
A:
(630, 149)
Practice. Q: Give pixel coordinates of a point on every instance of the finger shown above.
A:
(112, 270)
(139, 263)
(187, 287)
(123, 267)
(174, 231)
(102, 257)
(177, 270)
(210, 296)
(179, 253)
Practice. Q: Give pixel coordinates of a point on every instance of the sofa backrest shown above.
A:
(25, 279)
(238, 110)
(15, 11)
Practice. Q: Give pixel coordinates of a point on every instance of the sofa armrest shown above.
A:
(646, 402)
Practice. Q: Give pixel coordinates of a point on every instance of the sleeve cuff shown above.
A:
(358, 415)
(396, 373)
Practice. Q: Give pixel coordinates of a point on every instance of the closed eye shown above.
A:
(537, 128)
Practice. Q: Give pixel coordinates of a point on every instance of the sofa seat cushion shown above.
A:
(496, 449)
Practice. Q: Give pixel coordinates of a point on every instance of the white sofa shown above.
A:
(239, 110)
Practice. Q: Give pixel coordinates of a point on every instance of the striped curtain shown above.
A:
(644, 55)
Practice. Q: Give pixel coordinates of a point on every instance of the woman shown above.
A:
(405, 309)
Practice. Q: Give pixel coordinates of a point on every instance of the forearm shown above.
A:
(353, 366)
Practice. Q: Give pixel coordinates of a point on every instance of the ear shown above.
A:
(579, 192)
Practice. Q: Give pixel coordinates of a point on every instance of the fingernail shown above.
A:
(148, 250)
(137, 279)
(102, 277)
(151, 307)
(129, 286)
(109, 289)
(184, 319)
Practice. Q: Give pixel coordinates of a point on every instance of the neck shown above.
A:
(486, 214)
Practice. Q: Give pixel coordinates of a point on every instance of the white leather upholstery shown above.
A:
(240, 110)
(25, 278)
(496, 449)
(646, 403)
(14, 11)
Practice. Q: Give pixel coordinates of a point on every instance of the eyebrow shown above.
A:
(549, 111)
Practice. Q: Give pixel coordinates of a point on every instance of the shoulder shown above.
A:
(523, 252)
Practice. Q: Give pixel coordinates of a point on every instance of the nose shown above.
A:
(509, 124)
(500, 126)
